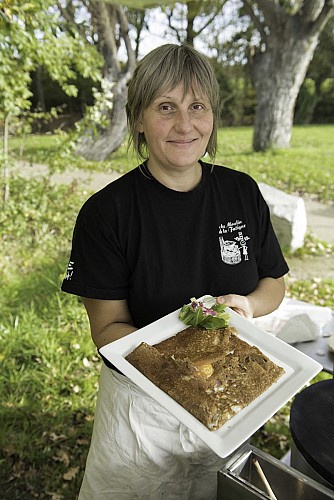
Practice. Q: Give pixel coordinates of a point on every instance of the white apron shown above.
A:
(140, 451)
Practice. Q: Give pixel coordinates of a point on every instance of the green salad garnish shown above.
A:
(204, 312)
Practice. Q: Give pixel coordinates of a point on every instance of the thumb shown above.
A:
(225, 299)
(238, 303)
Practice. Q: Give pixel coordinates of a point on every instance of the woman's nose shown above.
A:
(183, 121)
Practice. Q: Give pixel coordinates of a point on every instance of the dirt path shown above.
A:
(90, 181)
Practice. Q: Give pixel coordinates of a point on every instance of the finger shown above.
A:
(230, 300)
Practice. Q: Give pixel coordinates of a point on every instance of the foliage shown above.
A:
(274, 437)
(315, 291)
(314, 246)
(48, 365)
(31, 36)
(304, 169)
(97, 116)
(34, 217)
(316, 98)
(236, 93)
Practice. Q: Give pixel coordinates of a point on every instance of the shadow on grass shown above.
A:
(45, 426)
(42, 455)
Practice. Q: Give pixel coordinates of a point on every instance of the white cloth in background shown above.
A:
(140, 451)
(296, 321)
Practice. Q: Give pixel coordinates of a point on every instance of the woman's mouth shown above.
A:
(182, 142)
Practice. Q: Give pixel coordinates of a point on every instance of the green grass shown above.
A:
(48, 364)
(49, 367)
(54, 150)
(274, 437)
(306, 168)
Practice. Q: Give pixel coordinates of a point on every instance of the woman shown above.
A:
(172, 228)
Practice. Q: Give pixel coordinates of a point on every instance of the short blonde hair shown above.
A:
(161, 70)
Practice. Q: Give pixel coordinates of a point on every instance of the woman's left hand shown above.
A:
(266, 297)
(239, 303)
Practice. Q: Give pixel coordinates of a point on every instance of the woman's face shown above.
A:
(177, 129)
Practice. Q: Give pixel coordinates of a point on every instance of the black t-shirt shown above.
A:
(139, 240)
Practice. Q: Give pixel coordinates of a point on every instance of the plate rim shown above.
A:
(299, 368)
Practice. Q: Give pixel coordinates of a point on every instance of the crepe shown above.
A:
(213, 374)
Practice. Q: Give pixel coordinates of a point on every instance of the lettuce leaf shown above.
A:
(204, 313)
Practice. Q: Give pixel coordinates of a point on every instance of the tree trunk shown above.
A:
(307, 104)
(278, 74)
(97, 145)
(6, 158)
(100, 142)
(288, 40)
(39, 89)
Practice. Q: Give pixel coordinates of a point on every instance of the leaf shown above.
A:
(55, 437)
(71, 473)
(55, 496)
(62, 456)
(9, 450)
(82, 442)
(203, 313)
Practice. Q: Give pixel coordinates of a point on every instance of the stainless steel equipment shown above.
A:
(240, 479)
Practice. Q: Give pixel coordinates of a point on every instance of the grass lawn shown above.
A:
(49, 366)
(306, 168)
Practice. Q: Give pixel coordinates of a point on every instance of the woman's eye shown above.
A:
(165, 107)
(197, 106)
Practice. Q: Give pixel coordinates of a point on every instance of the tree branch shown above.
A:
(311, 9)
(105, 22)
(124, 29)
(318, 17)
(66, 12)
(257, 23)
(210, 19)
(169, 15)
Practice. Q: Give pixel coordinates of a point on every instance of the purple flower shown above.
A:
(209, 312)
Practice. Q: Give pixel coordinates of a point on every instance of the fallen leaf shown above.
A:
(9, 450)
(62, 456)
(82, 441)
(55, 437)
(54, 496)
(71, 473)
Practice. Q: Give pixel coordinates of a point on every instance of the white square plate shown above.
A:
(299, 369)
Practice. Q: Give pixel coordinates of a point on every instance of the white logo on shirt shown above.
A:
(233, 246)
(69, 271)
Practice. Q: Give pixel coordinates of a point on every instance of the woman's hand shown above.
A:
(266, 297)
(241, 304)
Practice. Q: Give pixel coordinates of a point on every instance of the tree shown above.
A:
(190, 20)
(288, 33)
(104, 135)
(30, 37)
(319, 82)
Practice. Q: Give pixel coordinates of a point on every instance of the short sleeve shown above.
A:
(97, 267)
